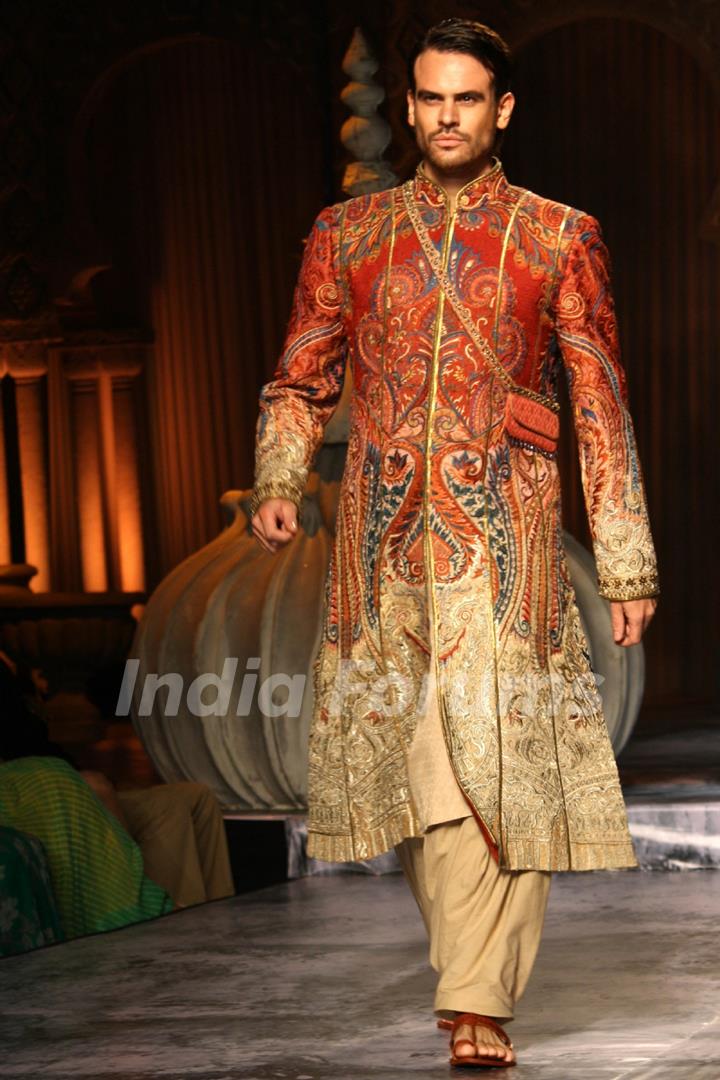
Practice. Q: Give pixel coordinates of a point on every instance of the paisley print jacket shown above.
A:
(448, 541)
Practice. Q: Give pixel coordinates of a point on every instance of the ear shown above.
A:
(411, 108)
(504, 110)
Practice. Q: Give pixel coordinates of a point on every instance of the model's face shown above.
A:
(454, 112)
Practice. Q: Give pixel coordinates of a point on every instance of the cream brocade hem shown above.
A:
(519, 854)
(342, 847)
(437, 798)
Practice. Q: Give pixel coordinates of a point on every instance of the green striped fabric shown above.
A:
(95, 866)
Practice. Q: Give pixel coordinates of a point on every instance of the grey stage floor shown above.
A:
(327, 977)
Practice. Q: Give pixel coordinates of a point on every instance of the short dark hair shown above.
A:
(473, 38)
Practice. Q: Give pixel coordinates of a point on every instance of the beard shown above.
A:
(459, 159)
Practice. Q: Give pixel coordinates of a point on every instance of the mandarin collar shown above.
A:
(482, 188)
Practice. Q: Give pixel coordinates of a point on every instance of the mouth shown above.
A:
(448, 142)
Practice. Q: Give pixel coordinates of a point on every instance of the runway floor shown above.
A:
(328, 977)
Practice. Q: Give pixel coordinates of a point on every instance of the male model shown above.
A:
(457, 718)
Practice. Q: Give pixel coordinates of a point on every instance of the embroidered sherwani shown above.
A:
(456, 326)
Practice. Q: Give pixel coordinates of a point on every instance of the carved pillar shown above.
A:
(65, 563)
(93, 433)
(24, 536)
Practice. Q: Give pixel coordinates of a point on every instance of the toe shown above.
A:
(470, 1042)
(492, 1049)
(463, 1044)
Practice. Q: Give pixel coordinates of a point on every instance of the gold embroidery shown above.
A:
(437, 650)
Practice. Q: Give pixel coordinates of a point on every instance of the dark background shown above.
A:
(160, 165)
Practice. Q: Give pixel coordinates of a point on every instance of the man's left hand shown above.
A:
(630, 618)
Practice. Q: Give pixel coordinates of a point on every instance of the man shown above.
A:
(456, 299)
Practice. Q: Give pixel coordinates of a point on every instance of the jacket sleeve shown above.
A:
(612, 479)
(298, 402)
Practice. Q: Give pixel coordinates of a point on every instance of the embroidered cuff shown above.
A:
(637, 588)
(273, 490)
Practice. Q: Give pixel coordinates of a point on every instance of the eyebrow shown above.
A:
(479, 94)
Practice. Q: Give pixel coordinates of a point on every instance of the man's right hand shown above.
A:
(275, 523)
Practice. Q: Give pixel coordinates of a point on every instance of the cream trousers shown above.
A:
(484, 923)
(179, 829)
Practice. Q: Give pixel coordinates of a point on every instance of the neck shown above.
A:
(453, 182)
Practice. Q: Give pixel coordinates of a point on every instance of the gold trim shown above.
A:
(345, 289)
(340, 569)
(461, 311)
(386, 309)
(427, 539)
(377, 649)
(522, 854)
(550, 291)
(546, 653)
(499, 839)
(561, 233)
(501, 268)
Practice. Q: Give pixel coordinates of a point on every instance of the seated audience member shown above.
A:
(180, 830)
(96, 868)
(174, 832)
(179, 826)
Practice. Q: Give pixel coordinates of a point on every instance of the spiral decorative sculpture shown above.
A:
(365, 134)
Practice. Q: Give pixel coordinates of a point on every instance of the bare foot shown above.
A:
(482, 1041)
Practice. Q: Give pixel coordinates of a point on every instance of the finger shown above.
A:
(288, 517)
(633, 632)
(262, 523)
(284, 522)
(265, 545)
(618, 622)
(274, 528)
(259, 535)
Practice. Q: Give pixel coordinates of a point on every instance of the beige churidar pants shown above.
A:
(179, 829)
(484, 923)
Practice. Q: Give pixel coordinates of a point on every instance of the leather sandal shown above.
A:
(476, 1062)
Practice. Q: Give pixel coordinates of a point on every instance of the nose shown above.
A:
(448, 115)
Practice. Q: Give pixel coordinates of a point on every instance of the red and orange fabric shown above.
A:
(449, 539)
